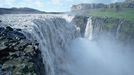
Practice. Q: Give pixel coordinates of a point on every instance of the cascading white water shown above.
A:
(53, 32)
(89, 29)
(53, 35)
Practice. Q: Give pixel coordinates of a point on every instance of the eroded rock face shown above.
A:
(81, 22)
(115, 29)
(18, 55)
(129, 0)
(86, 7)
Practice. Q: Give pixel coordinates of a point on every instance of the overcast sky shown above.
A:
(49, 5)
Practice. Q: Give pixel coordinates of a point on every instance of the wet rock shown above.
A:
(18, 55)
(14, 35)
(29, 48)
(0, 69)
(2, 29)
(2, 47)
(18, 29)
(18, 67)
(2, 44)
(9, 28)
(10, 33)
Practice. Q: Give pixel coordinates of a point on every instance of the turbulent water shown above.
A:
(64, 54)
(53, 32)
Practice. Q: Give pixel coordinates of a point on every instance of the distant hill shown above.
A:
(20, 11)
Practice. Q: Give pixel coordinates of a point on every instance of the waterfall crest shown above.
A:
(53, 35)
(89, 29)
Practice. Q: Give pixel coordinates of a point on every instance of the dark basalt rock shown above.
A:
(18, 55)
(81, 21)
(10, 33)
(18, 29)
(2, 29)
(9, 28)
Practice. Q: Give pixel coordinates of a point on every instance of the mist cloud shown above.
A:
(103, 57)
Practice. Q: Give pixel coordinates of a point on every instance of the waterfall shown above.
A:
(53, 35)
(64, 54)
(53, 32)
(68, 18)
(89, 29)
(118, 29)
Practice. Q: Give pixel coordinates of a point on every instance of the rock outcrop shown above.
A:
(84, 7)
(80, 22)
(129, 0)
(18, 55)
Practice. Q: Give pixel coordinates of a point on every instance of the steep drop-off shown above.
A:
(52, 32)
(116, 29)
(104, 48)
